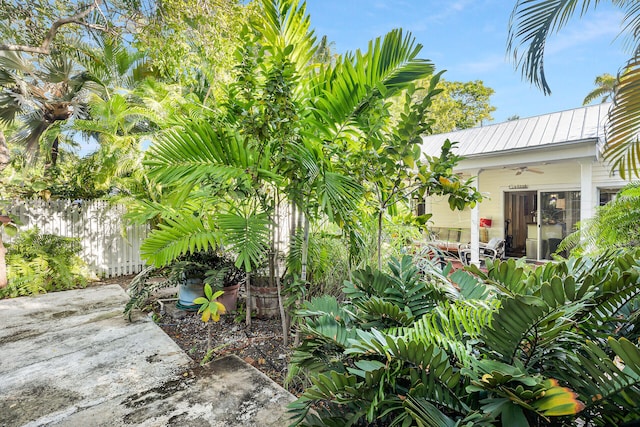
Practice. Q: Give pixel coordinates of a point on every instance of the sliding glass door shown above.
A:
(559, 211)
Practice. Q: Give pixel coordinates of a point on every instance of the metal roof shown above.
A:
(564, 127)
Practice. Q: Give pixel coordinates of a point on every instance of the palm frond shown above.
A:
(530, 24)
(196, 151)
(288, 29)
(179, 236)
(623, 147)
(247, 234)
(342, 90)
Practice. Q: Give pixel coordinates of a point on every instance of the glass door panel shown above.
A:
(559, 213)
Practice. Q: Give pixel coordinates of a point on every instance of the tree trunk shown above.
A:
(380, 239)
(54, 151)
(303, 268)
(5, 156)
(3, 265)
(248, 302)
(276, 238)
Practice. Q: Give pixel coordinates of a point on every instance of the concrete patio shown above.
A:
(71, 359)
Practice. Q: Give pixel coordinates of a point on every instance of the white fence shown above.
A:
(110, 248)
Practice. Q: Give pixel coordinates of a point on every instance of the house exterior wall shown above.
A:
(494, 183)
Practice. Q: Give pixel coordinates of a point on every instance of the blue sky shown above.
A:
(468, 39)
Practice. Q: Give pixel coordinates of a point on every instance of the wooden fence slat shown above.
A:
(95, 223)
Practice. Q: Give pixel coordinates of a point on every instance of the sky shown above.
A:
(468, 39)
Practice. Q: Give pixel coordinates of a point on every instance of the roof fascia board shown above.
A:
(554, 153)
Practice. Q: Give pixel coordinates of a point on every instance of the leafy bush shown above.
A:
(614, 225)
(38, 263)
(554, 345)
(327, 263)
(216, 268)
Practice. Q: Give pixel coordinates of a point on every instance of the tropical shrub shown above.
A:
(554, 345)
(328, 262)
(216, 268)
(38, 263)
(614, 225)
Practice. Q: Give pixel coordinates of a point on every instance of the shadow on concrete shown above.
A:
(70, 359)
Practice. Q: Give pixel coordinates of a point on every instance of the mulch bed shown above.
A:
(260, 345)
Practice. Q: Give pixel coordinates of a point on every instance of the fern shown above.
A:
(38, 263)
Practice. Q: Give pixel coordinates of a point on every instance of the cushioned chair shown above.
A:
(493, 249)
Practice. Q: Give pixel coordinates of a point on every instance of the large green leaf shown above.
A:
(247, 234)
(343, 90)
(179, 236)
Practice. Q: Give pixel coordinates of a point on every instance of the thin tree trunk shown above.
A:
(292, 241)
(380, 239)
(303, 268)
(276, 248)
(5, 156)
(54, 151)
(305, 250)
(248, 302)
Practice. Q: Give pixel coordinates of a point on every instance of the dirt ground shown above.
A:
(260, 345)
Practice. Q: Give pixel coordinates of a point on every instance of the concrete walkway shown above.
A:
(71, 359)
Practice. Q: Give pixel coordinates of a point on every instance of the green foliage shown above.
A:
(614, 225)
(40, 263)
(605, 89)
(460, 105)
(210, 309)
(509, 346)
(328, 262)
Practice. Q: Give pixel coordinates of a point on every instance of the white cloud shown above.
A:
(489, 63)
(581, 32)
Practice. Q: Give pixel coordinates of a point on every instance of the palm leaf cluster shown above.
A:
(275, 137)
(513, 345)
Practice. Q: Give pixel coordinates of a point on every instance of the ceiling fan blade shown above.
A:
(534, 170)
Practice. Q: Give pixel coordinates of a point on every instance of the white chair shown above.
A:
(493, 249)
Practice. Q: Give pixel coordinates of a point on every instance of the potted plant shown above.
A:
(193, 271)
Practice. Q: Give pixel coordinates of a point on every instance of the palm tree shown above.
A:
(605, 85)
(42, 98)
(532, 21)
(287, 119)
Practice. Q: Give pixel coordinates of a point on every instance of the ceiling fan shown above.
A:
(527, 169)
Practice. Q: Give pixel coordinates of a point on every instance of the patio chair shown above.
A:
(494, 249)
(427, 257)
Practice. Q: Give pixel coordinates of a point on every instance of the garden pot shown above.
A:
(264, 298)
(190, 289)
(230, 297)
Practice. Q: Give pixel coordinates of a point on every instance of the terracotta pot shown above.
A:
(230, 297)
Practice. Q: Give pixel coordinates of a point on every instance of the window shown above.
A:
(607, 194)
